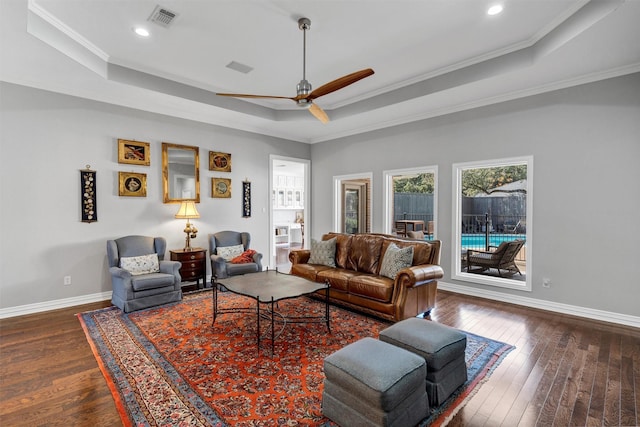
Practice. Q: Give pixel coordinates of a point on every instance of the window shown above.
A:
(492, 231)
(411, 201)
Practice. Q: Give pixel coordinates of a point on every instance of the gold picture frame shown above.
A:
(134, 152)
(132, 184)
(219, 162)
(221, 188)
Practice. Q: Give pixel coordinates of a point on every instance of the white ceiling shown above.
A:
(431, 57)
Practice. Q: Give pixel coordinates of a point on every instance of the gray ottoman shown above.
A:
(441, 346)
(372, 383)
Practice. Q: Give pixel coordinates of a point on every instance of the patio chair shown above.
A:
(417, 235)
(511, 227)
(503, 258)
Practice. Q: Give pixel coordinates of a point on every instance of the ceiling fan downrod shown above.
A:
(303, 89)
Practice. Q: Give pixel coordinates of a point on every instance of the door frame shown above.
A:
(337, 197)
(273, 158)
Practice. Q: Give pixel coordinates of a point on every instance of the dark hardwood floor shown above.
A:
(564, 371)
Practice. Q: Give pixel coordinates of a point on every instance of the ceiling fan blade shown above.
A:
(242, 95)
(319, 113)
(340, 83)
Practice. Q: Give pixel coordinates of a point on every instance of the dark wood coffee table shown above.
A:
(268, 287)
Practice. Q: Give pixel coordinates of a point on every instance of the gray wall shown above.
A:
(586, 147)
(585, 142)
(46, 138)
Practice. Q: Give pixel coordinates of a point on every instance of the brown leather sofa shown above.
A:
(355, 281)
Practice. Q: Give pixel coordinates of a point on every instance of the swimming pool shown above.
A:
(477, 241)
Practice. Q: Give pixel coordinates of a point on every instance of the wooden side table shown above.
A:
(194, 264)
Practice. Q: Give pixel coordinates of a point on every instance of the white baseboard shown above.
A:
(53, 305)
(589, 313)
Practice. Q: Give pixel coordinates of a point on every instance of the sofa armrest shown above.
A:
(299, 256)
(418, 275)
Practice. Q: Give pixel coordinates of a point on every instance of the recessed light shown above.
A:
(142, 32)
(495, 9)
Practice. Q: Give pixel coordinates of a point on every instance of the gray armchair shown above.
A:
(222, 268)
(141, 290)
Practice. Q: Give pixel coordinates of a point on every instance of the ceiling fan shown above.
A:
(305, 95)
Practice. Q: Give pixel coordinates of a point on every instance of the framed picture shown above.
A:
(220, 188)
(134, 152)
(220, 162)
(132, 184)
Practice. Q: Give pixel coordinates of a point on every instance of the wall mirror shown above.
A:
(180, 173)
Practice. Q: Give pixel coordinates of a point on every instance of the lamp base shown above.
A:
(192, 232)
(187, 244)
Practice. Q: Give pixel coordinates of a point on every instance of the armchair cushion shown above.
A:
(230, 252)
(152, 281)
(143, 264)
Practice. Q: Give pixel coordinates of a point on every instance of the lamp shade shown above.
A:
(187, 210)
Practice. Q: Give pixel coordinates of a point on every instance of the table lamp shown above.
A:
(187, 211)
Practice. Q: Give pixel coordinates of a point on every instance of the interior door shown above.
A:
(354, 207)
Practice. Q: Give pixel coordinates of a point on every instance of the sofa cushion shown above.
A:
(395, 259)
(371, 286)
(338, 278)
(309, 271)
(143, 264)
(364, 253)
(323, 252)
(343, 245)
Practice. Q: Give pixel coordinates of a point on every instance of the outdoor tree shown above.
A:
(488, 180)
(420, 183)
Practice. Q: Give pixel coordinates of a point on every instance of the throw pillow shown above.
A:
(395, 259)
(144, 264)
(230, 252)
(323, 252)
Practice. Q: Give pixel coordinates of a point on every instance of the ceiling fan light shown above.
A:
(304, 103)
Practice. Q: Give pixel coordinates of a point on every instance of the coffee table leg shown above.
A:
(326, 308)
(258, 315)
(273, 335)
(215, 302)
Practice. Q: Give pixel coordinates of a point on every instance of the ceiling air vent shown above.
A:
(162, 16)
(237, 66)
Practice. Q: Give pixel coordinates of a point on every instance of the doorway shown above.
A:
(289, 207)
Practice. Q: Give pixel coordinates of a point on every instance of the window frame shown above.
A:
(456, 230)
(388, 194)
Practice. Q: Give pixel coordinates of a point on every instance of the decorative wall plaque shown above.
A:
(89, 211)
(246, 199)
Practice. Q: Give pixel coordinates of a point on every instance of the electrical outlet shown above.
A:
(67, 280)
(546, 283)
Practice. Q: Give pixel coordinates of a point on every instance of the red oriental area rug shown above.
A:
(171, 366)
